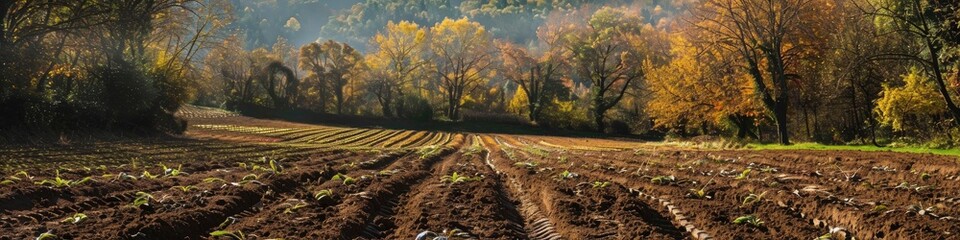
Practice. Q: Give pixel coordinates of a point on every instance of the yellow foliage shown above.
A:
(518, 104)
(696, 87)
(916, 98)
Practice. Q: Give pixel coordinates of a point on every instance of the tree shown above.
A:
(396, 62)
(536, 79)
(766, 36)
(931, 24)
(280, 83)
(333, 64)
(462, 57)
(608, 51)
(698, 86)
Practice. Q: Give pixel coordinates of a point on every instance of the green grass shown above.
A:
(869, 148)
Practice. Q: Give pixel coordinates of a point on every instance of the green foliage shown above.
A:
(748, 219)
(600, 184)
(59, 182)
(752, 198)
(323, 194)
(456, 178)
(75, 219)
(566, 174)
(47, 236)
(346, 180)
(527, 165)
(663, 180)
(699, 193)
(172, 172)
(916, 99)
(142, 199)
(430, 151)
(744, 174)
(236, 235)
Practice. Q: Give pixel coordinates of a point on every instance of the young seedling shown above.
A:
(456, 178)
(347, 180)
(124, 176)
(474, 149)
(748, 219)
(59, 182)
(445, 235)
(323, 194)
(187, 188)
(879, 208)
(429, 151)
(47, 236)
(236, 235)
(699, 193)
(75, 219)
(599, 184)
(292, 207)
(213, 179)
(663, 180)
(147, 174)
(752, 198)
(567, 175)
(172, 172)
(143, 199)
(743, 175)
(527, 165)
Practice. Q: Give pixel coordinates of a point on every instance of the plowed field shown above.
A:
(239, 177)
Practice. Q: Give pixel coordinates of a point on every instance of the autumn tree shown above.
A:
(608, 51)
(932, 26)
(396, 62)
(536, 78)
(462, 56)
(698, 86)
(334, 65)
(766, 35)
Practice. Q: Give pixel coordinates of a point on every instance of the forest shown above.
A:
(829, 71)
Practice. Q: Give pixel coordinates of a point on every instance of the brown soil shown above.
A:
(382, 186)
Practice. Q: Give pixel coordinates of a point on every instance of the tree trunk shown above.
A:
(598, 119)
(941, 86)
(780, 113)
(5, 6)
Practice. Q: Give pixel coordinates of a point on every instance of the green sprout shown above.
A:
(925, 176)
(456, 178)
(147, 174)
(662, 180)
(429, 151)
(752, 198)
(75, 219)
(599, 184)
(451, 234)
(213, 179)
(748, 219)
(879, 208)
(236, 235)
(172, 172)
(567, 175)
(347, 180)
(187, 188)
(527, 165)
(61, 182)
(293, 207)
(699, 193)
(142, 199)
(387, 172)
(743, 175)
(322, 194)
(47, 236)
